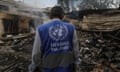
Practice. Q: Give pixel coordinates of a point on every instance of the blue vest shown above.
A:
(57, 49)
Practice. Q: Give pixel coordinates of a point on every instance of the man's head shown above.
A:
(57, 12)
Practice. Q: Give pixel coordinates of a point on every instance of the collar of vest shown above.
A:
(55, 19)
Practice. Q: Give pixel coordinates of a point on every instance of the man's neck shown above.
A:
(55, 19)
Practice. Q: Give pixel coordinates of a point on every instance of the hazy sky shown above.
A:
(40, 3)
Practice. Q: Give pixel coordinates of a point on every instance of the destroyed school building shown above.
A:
(15, 17)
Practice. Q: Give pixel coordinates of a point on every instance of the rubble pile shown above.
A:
(101, 20)
(14, 40)
(99, 48)
(15, 53)
(13, 63)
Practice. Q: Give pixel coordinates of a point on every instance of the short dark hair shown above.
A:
(57, 11)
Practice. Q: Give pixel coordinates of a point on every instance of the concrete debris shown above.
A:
(99, 48)
(15, 53)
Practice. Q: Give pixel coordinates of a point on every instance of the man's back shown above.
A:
(56, 39)
(55, 47)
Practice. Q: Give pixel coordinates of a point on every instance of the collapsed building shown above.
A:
(16, 38)
(15, 17)
(99, 39)
(17, 21)
(13, 24)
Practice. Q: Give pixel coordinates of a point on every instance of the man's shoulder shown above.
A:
(69, 24)
(43, 25)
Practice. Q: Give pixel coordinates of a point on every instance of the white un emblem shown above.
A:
(58, 32)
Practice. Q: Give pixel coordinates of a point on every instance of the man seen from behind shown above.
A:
(55, 47)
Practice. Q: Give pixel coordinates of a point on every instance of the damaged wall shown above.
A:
(1, 28)
(13, 24)
(3, 16)
(99, 20)
(23, 24)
